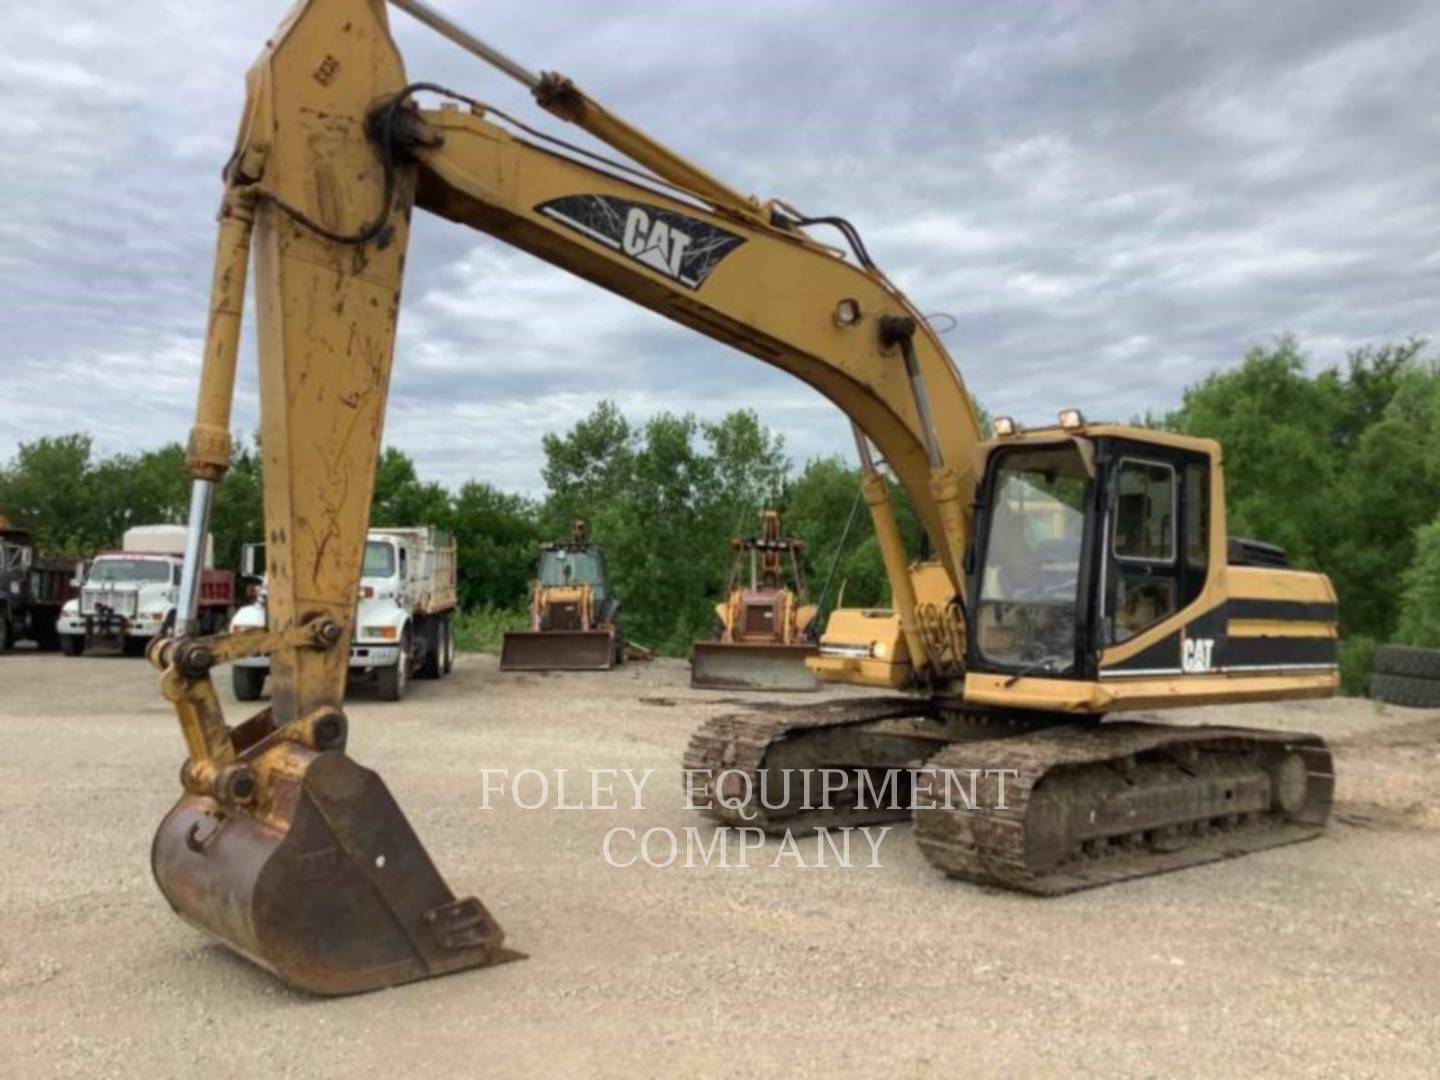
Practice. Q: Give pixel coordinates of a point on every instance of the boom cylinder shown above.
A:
(208, 452)
(892, 550)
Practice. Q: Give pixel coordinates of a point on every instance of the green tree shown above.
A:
(587, 467)
(1420, 603)
(496, 534)
(47, 489)
(238, 516)
(818, 503)
(402, 498)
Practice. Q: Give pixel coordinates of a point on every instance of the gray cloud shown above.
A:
(1111, 200)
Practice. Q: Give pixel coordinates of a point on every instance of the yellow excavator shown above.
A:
(765, 630)
(1088, 565)
(574, 615)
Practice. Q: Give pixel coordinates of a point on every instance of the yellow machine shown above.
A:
(765, 629)
(1089, 565)
(574, 617)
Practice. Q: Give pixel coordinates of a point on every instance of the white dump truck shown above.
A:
(402, 616)
(127, 597)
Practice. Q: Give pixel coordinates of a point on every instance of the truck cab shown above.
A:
(403, 613)
(128, 597)
(33, 588)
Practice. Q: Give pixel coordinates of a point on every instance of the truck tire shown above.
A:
(72, 644)
(1405, 690)
(1408, 660)
(394, 679)
(133, 646)
(7, 632)
(432, 631)
(447, 664)
(247, 682)
(47, 638)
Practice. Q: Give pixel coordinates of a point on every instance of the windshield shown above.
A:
(106, 570)
(1031, 579)
(571, 568)
(379, 560)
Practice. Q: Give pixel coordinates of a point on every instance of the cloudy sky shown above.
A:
(1110, 199)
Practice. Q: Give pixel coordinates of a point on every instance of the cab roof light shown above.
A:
(1072, 419)
(1004, 426)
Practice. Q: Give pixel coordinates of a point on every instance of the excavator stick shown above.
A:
(282, 847)
(720, 665)
(559, 650)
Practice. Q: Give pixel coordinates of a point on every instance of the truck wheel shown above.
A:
(7, 633)
(134, 646)
(47, 638)
(1405, 690)
(248, 682)
(1408, 660)
(448, 661)
(72, 644)
(394, 679)
(432, 632)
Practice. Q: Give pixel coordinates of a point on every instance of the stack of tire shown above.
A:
(1406, 675)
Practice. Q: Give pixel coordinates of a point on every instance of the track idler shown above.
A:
(301, 861)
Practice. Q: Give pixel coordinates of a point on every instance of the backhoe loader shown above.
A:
(1088, 565)
(574, 615)
(766, 631)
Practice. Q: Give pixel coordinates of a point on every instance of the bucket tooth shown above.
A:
(324, 882)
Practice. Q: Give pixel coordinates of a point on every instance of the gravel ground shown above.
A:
(1318, 959)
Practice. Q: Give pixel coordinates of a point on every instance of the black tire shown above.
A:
(1405, 690)
(133, 646)
(447, 654)
(1408, 660)
(431, 632)
(394, 679)
(7, 633)
(72, 644)
(248, 682)
(47, 638)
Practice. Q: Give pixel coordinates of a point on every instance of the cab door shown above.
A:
(1155, 557)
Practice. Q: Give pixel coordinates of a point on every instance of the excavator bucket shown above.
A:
(322, 881)
(558, 650)
(716, 665)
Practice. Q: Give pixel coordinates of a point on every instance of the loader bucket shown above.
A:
(716, 665)
(325, 884)
(558, 650)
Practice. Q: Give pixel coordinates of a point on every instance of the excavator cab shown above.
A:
(1102, 576)
(1085, 542)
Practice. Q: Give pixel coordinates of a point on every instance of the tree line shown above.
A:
(1340, 465)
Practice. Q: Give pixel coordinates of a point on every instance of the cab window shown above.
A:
(1146, 584)
(1145, 512)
